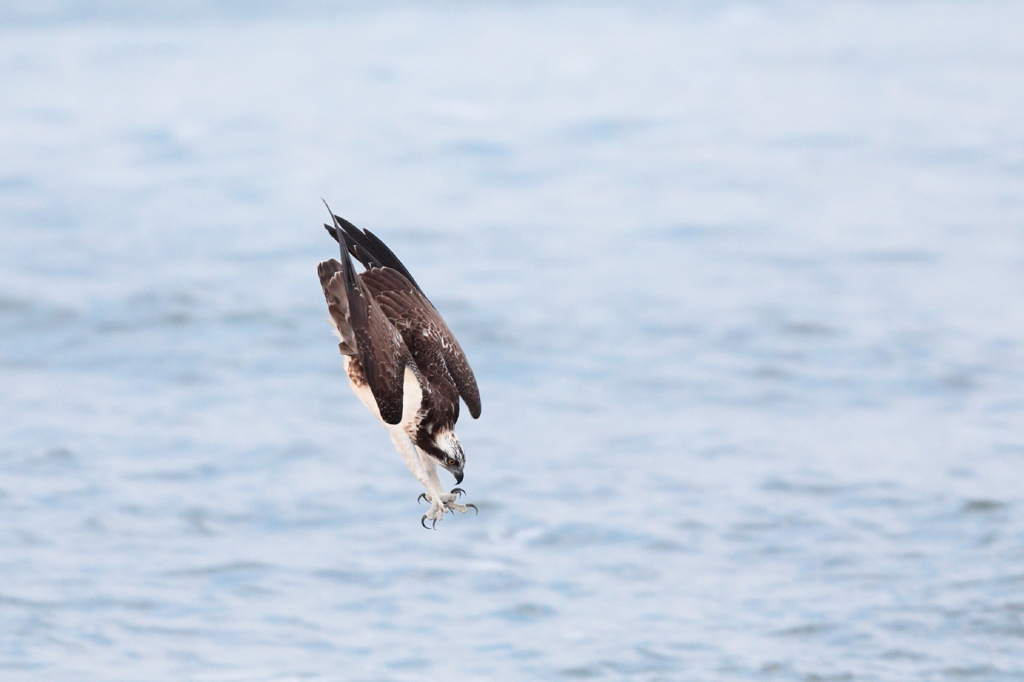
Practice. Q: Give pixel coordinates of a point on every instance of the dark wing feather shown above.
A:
(368, 249)
(380, 348)
(415, 318)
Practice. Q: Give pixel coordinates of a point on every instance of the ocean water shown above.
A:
(741, 283)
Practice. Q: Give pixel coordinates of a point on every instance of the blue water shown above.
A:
(741, 284)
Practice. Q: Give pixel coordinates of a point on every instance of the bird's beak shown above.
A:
(458, 476)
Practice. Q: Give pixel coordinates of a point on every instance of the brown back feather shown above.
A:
(422, 328)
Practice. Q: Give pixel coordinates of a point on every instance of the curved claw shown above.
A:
(423, 496)
(477, 511)
(457, 491)
(425, 525)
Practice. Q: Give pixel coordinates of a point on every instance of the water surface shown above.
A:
(740, 284)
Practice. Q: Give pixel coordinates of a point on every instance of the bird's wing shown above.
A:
(423, 329)
(380, 348)
(333, 284)
(368, 249)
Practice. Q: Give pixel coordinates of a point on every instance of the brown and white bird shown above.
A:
(402, 361)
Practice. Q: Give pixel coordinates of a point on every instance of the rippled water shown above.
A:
(741, 284)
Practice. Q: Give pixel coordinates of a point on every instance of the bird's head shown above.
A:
(444, 446)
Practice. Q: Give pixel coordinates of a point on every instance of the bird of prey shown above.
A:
(402, 361)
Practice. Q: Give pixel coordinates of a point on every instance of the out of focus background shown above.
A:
(741, 283)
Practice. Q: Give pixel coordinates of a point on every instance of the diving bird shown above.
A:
(402, 361)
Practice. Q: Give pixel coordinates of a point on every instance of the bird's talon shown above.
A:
(475, 510)
(422, 520)
(423, 496)
(458, 491)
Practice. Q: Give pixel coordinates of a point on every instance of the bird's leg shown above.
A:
(440, 502)
(424, 469)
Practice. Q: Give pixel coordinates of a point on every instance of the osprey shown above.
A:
(402, 361)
